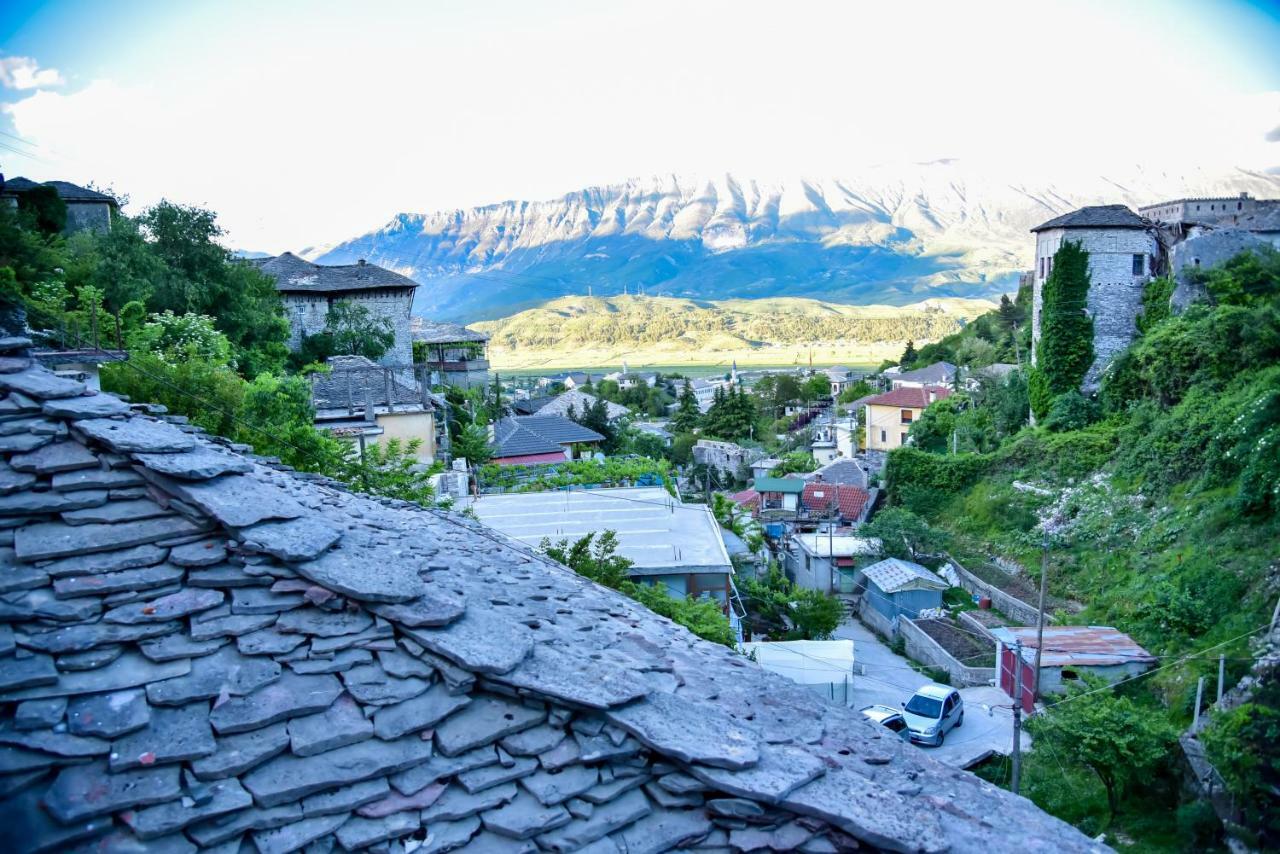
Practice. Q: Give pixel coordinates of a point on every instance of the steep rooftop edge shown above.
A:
(199, 651)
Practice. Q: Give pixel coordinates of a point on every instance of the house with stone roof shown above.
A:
(201, 650)
(87, 209)
(534, 439)
(458, 355)
(309, 290)
(575, 402)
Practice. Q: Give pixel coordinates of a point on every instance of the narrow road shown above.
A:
(890, 680)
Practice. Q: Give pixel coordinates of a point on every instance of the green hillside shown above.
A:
(646, 322)
(1162, 498)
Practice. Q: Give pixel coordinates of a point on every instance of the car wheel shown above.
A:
(942, 736)
(960, 721)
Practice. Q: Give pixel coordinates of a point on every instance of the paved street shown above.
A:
(890, 680)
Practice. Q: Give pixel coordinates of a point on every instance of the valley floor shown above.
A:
(674, 355)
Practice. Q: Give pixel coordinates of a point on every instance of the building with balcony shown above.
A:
(456, 355)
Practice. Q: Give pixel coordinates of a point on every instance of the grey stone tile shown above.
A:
(230, 625)
(173, 606)
(58, 743)
(288, 697)
(268, 642)
(23, 442)
(665, 829)
(449, 835)
(39, 714)
(153, 822)
(40, 384)
(26, 827)
(371, 685)
(487, 719)
(479, 779)
(174, 646)
(109, 715)
(231, 827)
(55, 457)
(92, 564)
(287, 778)
(42, 604)
(136, 435)
(57, 539)
(365, 574)
(200, 553)
(340, 662)
(236, 754)
(292, 540)
(30, 672)
(115, 511)
(260, 600)
(397, 663)
(235, 500)
(441, 767)
(36, 503)
(94, 478)
(105, 583)
(532, 741)
(525, 817)
(437, 608)
(172, 735)
(341, 724)
(362, 832)
(319, 623)
(868, 811)
(603, 821)
(347, 798)
(225, 673)
(577, 678)
(89, 635)
(481, 641)
(291, 837)
(782, 769)
(17, 760)
(417, 713)
(455, 803)
(91, 659)
(86, 791)
(690, 732)
(14, 481)
(86, 406)
(604, 792)
(200, 463)
(556, 788)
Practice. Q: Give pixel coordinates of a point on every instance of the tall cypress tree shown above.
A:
(1065, 350)
(687, 415)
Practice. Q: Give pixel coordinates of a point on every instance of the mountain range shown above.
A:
(885, 235)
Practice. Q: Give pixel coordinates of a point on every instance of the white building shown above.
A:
(1123, 251)
(828, 560)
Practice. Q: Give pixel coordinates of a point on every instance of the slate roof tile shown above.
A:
(468, 728)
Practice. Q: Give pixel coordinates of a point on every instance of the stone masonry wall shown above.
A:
(1115, 293)
(307, 314)
(88, 216)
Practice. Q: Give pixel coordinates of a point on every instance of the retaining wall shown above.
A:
(924, 649)
(1011, 607)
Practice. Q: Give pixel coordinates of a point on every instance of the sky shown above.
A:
(303, 123)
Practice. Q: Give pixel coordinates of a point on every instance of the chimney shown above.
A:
(361, 262)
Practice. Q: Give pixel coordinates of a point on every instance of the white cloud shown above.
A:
(23, 72)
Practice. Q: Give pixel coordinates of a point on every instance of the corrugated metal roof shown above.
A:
(1065, 646)
(893, 574)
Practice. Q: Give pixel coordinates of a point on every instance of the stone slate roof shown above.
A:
(580, 401)
(1097, 216)
(523, 435)
(939, 373)
(201, 652)
(329, 391)
(296, 275)
(841, 471)
(433, 332)
(66, 190)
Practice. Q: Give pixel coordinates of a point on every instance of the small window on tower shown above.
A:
(1139, 264)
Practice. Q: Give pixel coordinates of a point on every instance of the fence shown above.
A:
(1008, 605)
(924, 649)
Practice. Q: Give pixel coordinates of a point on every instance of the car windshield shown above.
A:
(925, 707)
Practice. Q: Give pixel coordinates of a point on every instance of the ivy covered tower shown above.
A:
(1123, 256)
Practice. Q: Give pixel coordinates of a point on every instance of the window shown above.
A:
(1239, 205)
(1139, 264)
(904, 438)
(883, 436)
(907, 415)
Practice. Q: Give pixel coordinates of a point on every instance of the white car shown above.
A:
(932, 712)
(888, 717)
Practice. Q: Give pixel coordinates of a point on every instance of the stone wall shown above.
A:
(307, 314)
(924, 649)
(88, 216)
(1014, 608)
(1115, 293)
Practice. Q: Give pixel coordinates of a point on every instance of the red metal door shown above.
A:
(1008, 678)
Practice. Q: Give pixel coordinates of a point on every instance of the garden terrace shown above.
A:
(199, 651)
(957, 641)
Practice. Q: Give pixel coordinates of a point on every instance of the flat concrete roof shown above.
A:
(657, 532)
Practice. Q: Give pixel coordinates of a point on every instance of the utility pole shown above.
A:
(1195, 720)
(1016, 782)
(1222, 675)
(1044, 575)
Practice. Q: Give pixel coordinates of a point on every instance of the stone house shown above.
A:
(726, 458)
(887, 418)
(939, 373)
(1124, 254)
(86, 209)
(310, 290)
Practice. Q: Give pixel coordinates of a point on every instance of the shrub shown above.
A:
(1070, 411)
(920, 469)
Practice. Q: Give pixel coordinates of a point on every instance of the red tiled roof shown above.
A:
(528, 459)
(819, 496)
(915, 398)
(746, 498)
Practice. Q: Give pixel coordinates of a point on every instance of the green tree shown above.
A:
(687, 415)
(207, 392)
(908, 359)
(392, 469)
(472, 444)
(595, 558)
(904, 534)
(860, 389)
(178, 337)
(816, 387)
(45, 208)
(778, 609)
(1065, 349)
(796, 462)
(1242, 744)
(354, 330)
(277, 417)
(1119, 742)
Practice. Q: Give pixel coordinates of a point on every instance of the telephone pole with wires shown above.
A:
(1016, 780)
